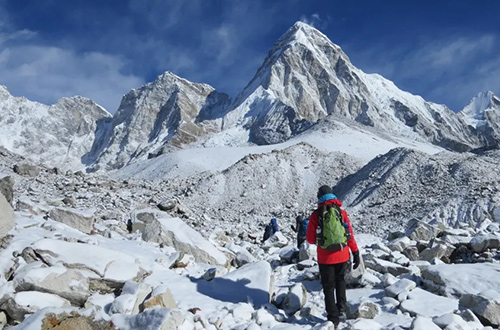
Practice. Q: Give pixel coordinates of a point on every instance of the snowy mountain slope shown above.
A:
(306, 77)
(483, 113)
(56, 135)
(168, 110)
(404, 184)
(334, 134)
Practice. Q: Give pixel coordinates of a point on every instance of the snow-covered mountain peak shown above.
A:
(480, 103)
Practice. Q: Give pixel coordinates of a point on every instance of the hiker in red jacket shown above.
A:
(333, 264)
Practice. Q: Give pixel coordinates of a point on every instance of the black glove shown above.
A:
(356, 260)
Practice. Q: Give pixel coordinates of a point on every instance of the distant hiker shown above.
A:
(301, 229)
(270, 229)
(330, 229)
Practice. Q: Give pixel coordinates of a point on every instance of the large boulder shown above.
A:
(459, 279)
(7, 187)
(66, 283)
(6, 216)
(176, 233)
(483, 242)
(485, 304)
(434, 305)
(82, 220)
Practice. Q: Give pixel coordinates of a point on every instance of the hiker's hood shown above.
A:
(334, 201)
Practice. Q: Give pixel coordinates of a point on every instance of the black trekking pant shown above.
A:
(333, 282)
(300, 240)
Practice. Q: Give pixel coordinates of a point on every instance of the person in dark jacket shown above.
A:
(333, 265)
(301, 229)
(270, 229)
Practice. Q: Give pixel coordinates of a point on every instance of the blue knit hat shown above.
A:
(324, 194)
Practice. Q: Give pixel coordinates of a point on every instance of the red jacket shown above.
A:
(324, 256)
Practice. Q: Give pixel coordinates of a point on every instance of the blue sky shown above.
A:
(445, 51)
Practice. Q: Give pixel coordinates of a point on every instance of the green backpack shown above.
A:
(333, 233)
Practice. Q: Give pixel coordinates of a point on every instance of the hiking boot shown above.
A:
(342, 315)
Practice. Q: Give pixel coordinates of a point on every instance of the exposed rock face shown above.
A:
(483, 114)
(168, 110)
(78, 219)
(306, 77)
(56, 135)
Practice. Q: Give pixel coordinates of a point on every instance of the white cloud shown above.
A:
(45, 74)
(312, 20)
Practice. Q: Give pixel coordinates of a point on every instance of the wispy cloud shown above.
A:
(46, 74)
(312, 20)
(448, 70)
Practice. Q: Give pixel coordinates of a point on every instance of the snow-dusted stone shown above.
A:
(176, 233)
(276, 240)
(308, 263)
(132, 295)
(384, 266)
(156, 318)
(29, 302)
(355, 276)
(242, 312)
(295, 299)
(388, 279)
(243, 257)
(365, 324)
(485, 304)
(110, 264)
(214, 272)
(399, 244)
(264, 318)
(66, 283)
(7, 187)
(249, 283)
(421, 302)
(460, 279)
(437, 250)
(424, 323)
(26, 169)
(401, 285)
(6, 216)
(457, 240)
(324, 326)
(449, 320)
(160, 297)
(368, 310)
(288, 253)
(483, 242)
(399, 258)
(308, 251)
(421, 231)
(82, 220)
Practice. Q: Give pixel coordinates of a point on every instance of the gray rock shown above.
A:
(26, 169)
(411, 253)
(7, 188)
(6, 216)
(160, 297)
(295, 299)
(82, 220)
(483, 242)
(418, 230)
(399, 244)
(438, 250)
(401, 285)
(486, 305)
(384, 266)
(368, 310)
